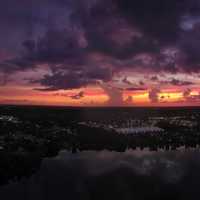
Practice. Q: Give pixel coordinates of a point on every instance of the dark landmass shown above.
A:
(92, 175)
(30, 133)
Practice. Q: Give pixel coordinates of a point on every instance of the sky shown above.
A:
(100, 52)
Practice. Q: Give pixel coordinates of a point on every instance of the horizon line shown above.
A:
(82, 107)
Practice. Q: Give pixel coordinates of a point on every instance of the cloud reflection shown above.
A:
(111, 175)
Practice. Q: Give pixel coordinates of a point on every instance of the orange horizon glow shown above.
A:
(93, 97)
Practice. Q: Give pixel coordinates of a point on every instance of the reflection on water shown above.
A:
(109, 175)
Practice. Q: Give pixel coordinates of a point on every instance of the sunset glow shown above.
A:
(93, 97)
(78, 55)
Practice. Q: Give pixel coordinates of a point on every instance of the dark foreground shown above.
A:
(110, 175)
(157, 157)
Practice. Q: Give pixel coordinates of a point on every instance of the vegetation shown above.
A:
(28, 134)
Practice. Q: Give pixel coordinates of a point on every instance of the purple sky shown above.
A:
(53, 45)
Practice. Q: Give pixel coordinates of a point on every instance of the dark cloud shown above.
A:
(3, 79)
(78, 96)
(58, 81)
(190, 43)
(160, 35)
(154, 78)
(129, 100)
(158, 19)
(154, 95)
(141, 83)
(115, 94)
(29, 19)
(99, 73)
(126, 81)
(187, 93)
(175, 82)
(180, 83)
(167, 23)
(73, 79)
(55, 47)
(135, 89)
(188, 96)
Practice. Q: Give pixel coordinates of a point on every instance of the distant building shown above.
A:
(137, 130)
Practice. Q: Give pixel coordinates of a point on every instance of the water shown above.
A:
(98, 163)
(111, 175)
